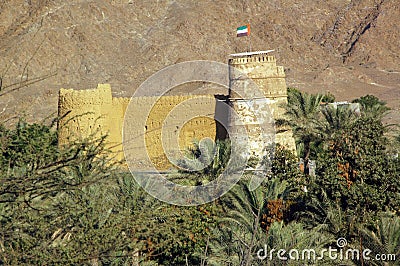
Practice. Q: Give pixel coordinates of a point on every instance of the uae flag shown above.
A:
(243, 31)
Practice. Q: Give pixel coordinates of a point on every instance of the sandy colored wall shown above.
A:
(96, 112)
(172, 126)
(83, 112)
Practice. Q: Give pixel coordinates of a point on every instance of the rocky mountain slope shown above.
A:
(348, 47)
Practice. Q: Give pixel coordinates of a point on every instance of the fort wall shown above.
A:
(170, 123)
(173, 122)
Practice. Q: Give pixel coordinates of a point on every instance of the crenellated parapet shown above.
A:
(253, 59)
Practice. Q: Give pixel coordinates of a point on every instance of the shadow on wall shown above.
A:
(221, 116)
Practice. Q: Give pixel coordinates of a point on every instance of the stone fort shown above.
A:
(96, 112)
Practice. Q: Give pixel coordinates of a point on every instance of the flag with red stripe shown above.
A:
(243, 31)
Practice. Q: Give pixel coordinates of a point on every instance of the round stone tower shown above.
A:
(257, 93)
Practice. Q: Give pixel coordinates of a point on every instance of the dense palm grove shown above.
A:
(73, 206)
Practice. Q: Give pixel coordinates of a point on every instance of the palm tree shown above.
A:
(204, 162)
(383, 239)
(372, 106)
(334, 121)
(242, 225)
(325, 214)
(302, 111)
(294, 236)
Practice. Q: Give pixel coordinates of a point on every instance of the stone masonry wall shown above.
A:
(270, 79)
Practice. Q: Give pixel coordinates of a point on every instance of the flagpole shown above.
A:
(249, 35)
(248, 11)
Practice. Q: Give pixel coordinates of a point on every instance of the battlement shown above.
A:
(262, 69)
(252, 59)
(167, 98)
(255, 66)
(98, 95)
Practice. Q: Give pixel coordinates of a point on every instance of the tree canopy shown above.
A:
(72, 205)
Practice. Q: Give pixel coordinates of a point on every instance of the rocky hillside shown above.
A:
(348, 47)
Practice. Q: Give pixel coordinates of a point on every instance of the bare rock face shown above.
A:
(347, 47)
